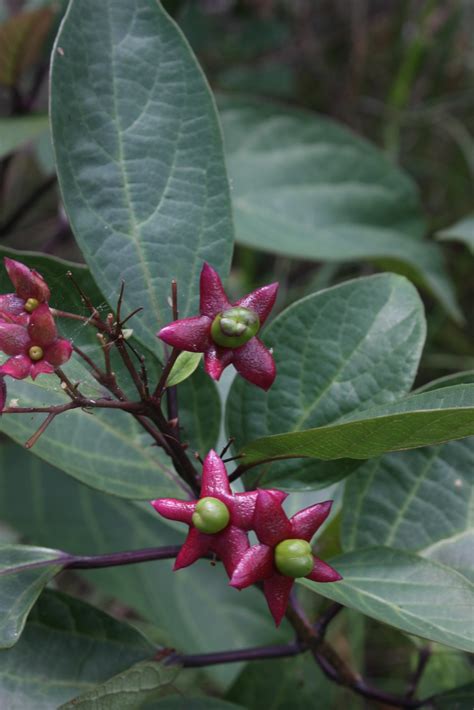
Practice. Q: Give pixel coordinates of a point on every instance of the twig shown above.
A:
(119, 303)
(96, 370)
(130, 315)
(334, 667)
(423, 658)
(67, 385)
(117, 559)
(158, 393)
(87, 320)
(325, 619)
(84, 298)
(34, 438)
(258, 653)
(227, 447)
(79, 403)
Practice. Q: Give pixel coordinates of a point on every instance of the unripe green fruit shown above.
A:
(31, 305)
(35, 352)
(211, 515)
(294, 558)
(234, 327)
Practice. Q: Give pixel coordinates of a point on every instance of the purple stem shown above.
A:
(325, 619)
(116, 559)
(244, 654)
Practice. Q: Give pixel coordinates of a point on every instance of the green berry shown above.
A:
(211, 515)
(294, 558)
(234, 327)
(35, 352)
(31, 304)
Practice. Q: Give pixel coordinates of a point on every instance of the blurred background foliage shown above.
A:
(396, 72)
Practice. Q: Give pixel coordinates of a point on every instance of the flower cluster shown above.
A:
(28, 333)
(219, 522)
(226, 332)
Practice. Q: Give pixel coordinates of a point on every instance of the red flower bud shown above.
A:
(34, 348)
(284, 553)
(31, 290)
(218, 521)
(226, 332)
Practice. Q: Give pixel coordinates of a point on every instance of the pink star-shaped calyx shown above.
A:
(34, 348)
(226, 332)
(218, 521)
(31, 290)
(284, 553)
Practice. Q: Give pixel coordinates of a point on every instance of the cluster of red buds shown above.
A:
(219, 522)
(28, 333)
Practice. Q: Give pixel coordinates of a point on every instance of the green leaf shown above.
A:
(457, 378)
(130, 689)
(183, 368)
(308, 188)
(199, 412)
(184, 605)
(24, 572)
(104, 448)
(194, 703)
(67, 647)
(337, 352)
(457, 699)
(447, 669)
(139, 156)
(286, 683)
(418, 420)
(16, 131)
(404, 590)
(462, 231)
(415, 500)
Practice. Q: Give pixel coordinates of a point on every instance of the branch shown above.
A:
(78, 403)
(258, 653)
(334, 667)
(423, 658)
(117, 559)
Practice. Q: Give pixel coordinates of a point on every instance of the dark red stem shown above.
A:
(116, 559)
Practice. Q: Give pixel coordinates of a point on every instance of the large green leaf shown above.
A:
(130, 689)
(415, 500)
(106, 448)
(418, 420)
(67, 647)
(24, 572)
(308, 188)
(16, 131)
(462, 231)
(139, 156)
(184, 605)
(339, 351)
(404, 590)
